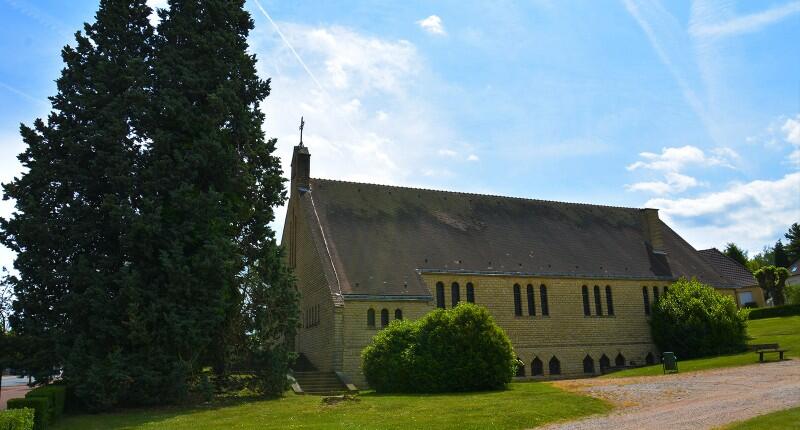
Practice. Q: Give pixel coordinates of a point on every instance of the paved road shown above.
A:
(698, 400)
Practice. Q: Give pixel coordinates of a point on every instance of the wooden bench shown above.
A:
(767, 348)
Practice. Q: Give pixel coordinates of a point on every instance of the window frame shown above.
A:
(587, 308)
(531, 300)
(543, 301)
(517, 300)
(609, 301)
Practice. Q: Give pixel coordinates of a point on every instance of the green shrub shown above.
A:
(460, 349)
(41, 407)
(17, 419)
(694, 320)
(56, 394)
(776, 311)
(792, 294)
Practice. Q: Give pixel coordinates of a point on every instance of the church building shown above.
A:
(572, 284)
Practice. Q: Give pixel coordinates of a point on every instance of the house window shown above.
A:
(531, 302)
(585, 293)
(384, 317)
(588, 364)
(598, 301)
(520, 367)
(537, 368)
(555, 366)
(543, 300)
(440, 295)
(649, 359)
(619, 361)
(455, 293)
(609, 301)
(371, 318)
(398, 314)
(605, 363)
(646, 298)
(517, 301)
(470, 293)
(655, 294)
(666, 290)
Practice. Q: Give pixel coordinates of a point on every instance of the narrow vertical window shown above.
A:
(587, 310)
(371, 318)
(588, 364)
(598, 301)
(455, 293)
(537, 367)
(384, 317)
(620, 360)
(520, 368)
(605, 363)
(543, 300)
(470, 293)
(398, 314)
(609, 301)
(440, 295)
(555, 366)
(531, 301)
(646, 298)
(666, 290)
(517, 301)
(655, 294)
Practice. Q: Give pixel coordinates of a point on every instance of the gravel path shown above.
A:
(698, 400)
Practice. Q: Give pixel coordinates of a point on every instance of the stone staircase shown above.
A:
(320, 383)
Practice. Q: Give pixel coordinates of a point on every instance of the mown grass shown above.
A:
(523, 405)
(785, 420)
(783, 330)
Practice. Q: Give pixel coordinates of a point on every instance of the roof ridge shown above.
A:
(476, 194)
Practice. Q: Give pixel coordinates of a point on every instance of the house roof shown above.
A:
(381, 238)
(729, 268)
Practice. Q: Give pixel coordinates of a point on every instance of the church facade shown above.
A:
(573, 285)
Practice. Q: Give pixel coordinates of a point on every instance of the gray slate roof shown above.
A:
(737, 275)
(381, 237)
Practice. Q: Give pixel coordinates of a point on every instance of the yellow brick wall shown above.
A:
(758, 295)
(566, 333)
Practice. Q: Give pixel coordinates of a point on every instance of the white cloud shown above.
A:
(675, 159)
(473, 157)
(432, 24)
(156, 4)
(674, 183)
(751, 213)
(447, 153)
(791, 130)
(744, 24)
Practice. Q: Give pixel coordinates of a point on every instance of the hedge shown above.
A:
(776, 311)
(17, 419)
(57, 395)
(41, 407)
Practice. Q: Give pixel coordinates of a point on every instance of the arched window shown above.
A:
(398, 314)
(531, 301)
(609, 301)
(371, 318)
(655, 294)
(520, 367)
(517, 301)
(537, 368)
(587, 310)
(646, 298)
(619, 361)
(555, 366)
(588, 364)
(455, 293)
(649, 359)
(440, 295)
(543, 300)
(470, 293)
(605, 363)
(666, 290)
(598, 301)
(384, 317)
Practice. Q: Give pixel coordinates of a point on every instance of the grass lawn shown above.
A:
(783, 330)
(788, 419)
(523, 405)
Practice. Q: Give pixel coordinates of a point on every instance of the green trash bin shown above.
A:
(669, 362)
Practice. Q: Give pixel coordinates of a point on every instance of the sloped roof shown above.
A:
(729, 268)
(380, 238)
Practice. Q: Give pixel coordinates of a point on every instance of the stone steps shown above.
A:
(319, 383)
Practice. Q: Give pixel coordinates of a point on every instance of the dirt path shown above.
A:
(699, 400)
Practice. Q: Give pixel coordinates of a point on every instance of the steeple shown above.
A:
(301, 165)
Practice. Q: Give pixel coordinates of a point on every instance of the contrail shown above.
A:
(23, 94)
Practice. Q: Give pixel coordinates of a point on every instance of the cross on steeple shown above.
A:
(302, 124)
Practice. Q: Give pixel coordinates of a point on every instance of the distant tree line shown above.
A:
(144, 252)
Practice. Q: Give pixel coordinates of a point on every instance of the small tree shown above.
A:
(781, 259)
(694, 320)
(772, 280)
(762, 259)
(735, 253)
(793, 242)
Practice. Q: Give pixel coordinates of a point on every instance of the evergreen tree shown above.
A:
(735, 253)
(793, 245)
(780, 257)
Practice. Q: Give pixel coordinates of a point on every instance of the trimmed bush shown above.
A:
(40, 405)
(776, 311)
(57, 395)
(459, 349)
(17, 419)
(694, 320)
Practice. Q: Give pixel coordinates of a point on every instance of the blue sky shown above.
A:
(692, 107)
